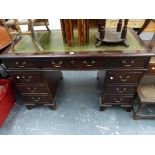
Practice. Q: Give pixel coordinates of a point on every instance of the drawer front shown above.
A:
(36, 98)
(116, 99)
(92, 63)
(55, 64)
(128, 63)
(123, 77)
(120, 89)
(27, 77)
(22, 64)
(32, 89)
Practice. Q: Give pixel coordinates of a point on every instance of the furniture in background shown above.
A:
(145, 91)
(150, 44)
(4, 43)
(15, 23)
(4, 37)
(7, 98)
(146, 96)
(145, 25)
(82, 26)
(109, 35)
(112, 23)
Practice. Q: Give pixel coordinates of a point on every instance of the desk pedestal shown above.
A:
(36, 87)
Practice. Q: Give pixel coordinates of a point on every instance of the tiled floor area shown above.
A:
(77, 113)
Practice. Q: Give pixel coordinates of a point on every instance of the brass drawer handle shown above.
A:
(32, 90)
(57, 65)
(121, 90)
(118, 100)
(21, 64)
(28, 78)
(87, 64)
(36, 99)
(128, 63)
(124, 79)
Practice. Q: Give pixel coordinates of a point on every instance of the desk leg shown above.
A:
(102, 108)
(30, 107)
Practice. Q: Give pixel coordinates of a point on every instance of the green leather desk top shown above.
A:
(53, 42)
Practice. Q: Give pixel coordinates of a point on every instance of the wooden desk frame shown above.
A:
(124, 70)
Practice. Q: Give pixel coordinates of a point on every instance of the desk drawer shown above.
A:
(127, 63)
(55, 64)
(120, 89)
(22, 64)
(22, 77)
(36, 98)
(92, 63)
(30, 89)
(123, 77)
(80, 63)
(117, 99)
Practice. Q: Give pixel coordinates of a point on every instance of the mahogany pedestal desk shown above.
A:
(37, 74)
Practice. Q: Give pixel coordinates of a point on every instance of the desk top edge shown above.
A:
(121, 53)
